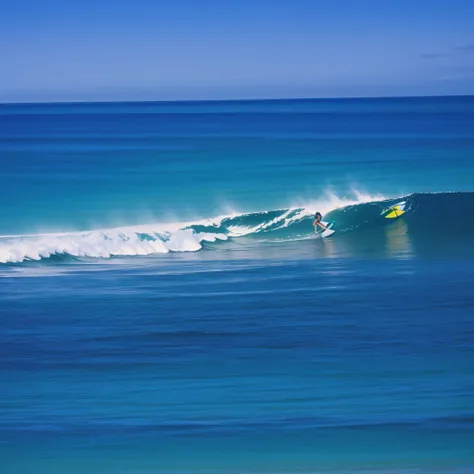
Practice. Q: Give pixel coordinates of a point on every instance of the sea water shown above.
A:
(165, 305)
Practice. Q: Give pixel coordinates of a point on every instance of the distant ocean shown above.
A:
(165, 305)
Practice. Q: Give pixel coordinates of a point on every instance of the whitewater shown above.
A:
(170, 237)
(357, 218)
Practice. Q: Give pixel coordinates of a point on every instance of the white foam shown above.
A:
(204, 236)
(161, 238)
(330, 201)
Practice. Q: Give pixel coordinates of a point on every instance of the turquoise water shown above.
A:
(75, 167)
(166, 307)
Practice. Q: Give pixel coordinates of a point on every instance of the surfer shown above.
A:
(317, 221)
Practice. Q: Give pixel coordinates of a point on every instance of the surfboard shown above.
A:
(325, 232)
(394, 211)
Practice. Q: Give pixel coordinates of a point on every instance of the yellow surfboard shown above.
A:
(394, 211)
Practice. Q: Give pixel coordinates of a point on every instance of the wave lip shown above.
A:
(164, 238)
(421, 222)
(101, 244)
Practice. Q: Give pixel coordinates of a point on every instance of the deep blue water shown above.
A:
(166, 307)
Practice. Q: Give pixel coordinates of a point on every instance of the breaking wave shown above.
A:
(425, 214)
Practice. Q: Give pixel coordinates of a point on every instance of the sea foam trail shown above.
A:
(164, 238)
(101, 244)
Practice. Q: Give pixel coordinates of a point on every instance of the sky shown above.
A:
(94, 50)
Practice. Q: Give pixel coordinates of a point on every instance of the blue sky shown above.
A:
(208, 49)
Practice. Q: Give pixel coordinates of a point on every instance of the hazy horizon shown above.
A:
(243, 99)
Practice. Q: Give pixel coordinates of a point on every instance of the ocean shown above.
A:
(166, 306)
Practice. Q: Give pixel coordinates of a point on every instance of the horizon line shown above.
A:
(265, 99)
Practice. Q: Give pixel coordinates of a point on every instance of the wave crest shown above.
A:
(294, 223)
